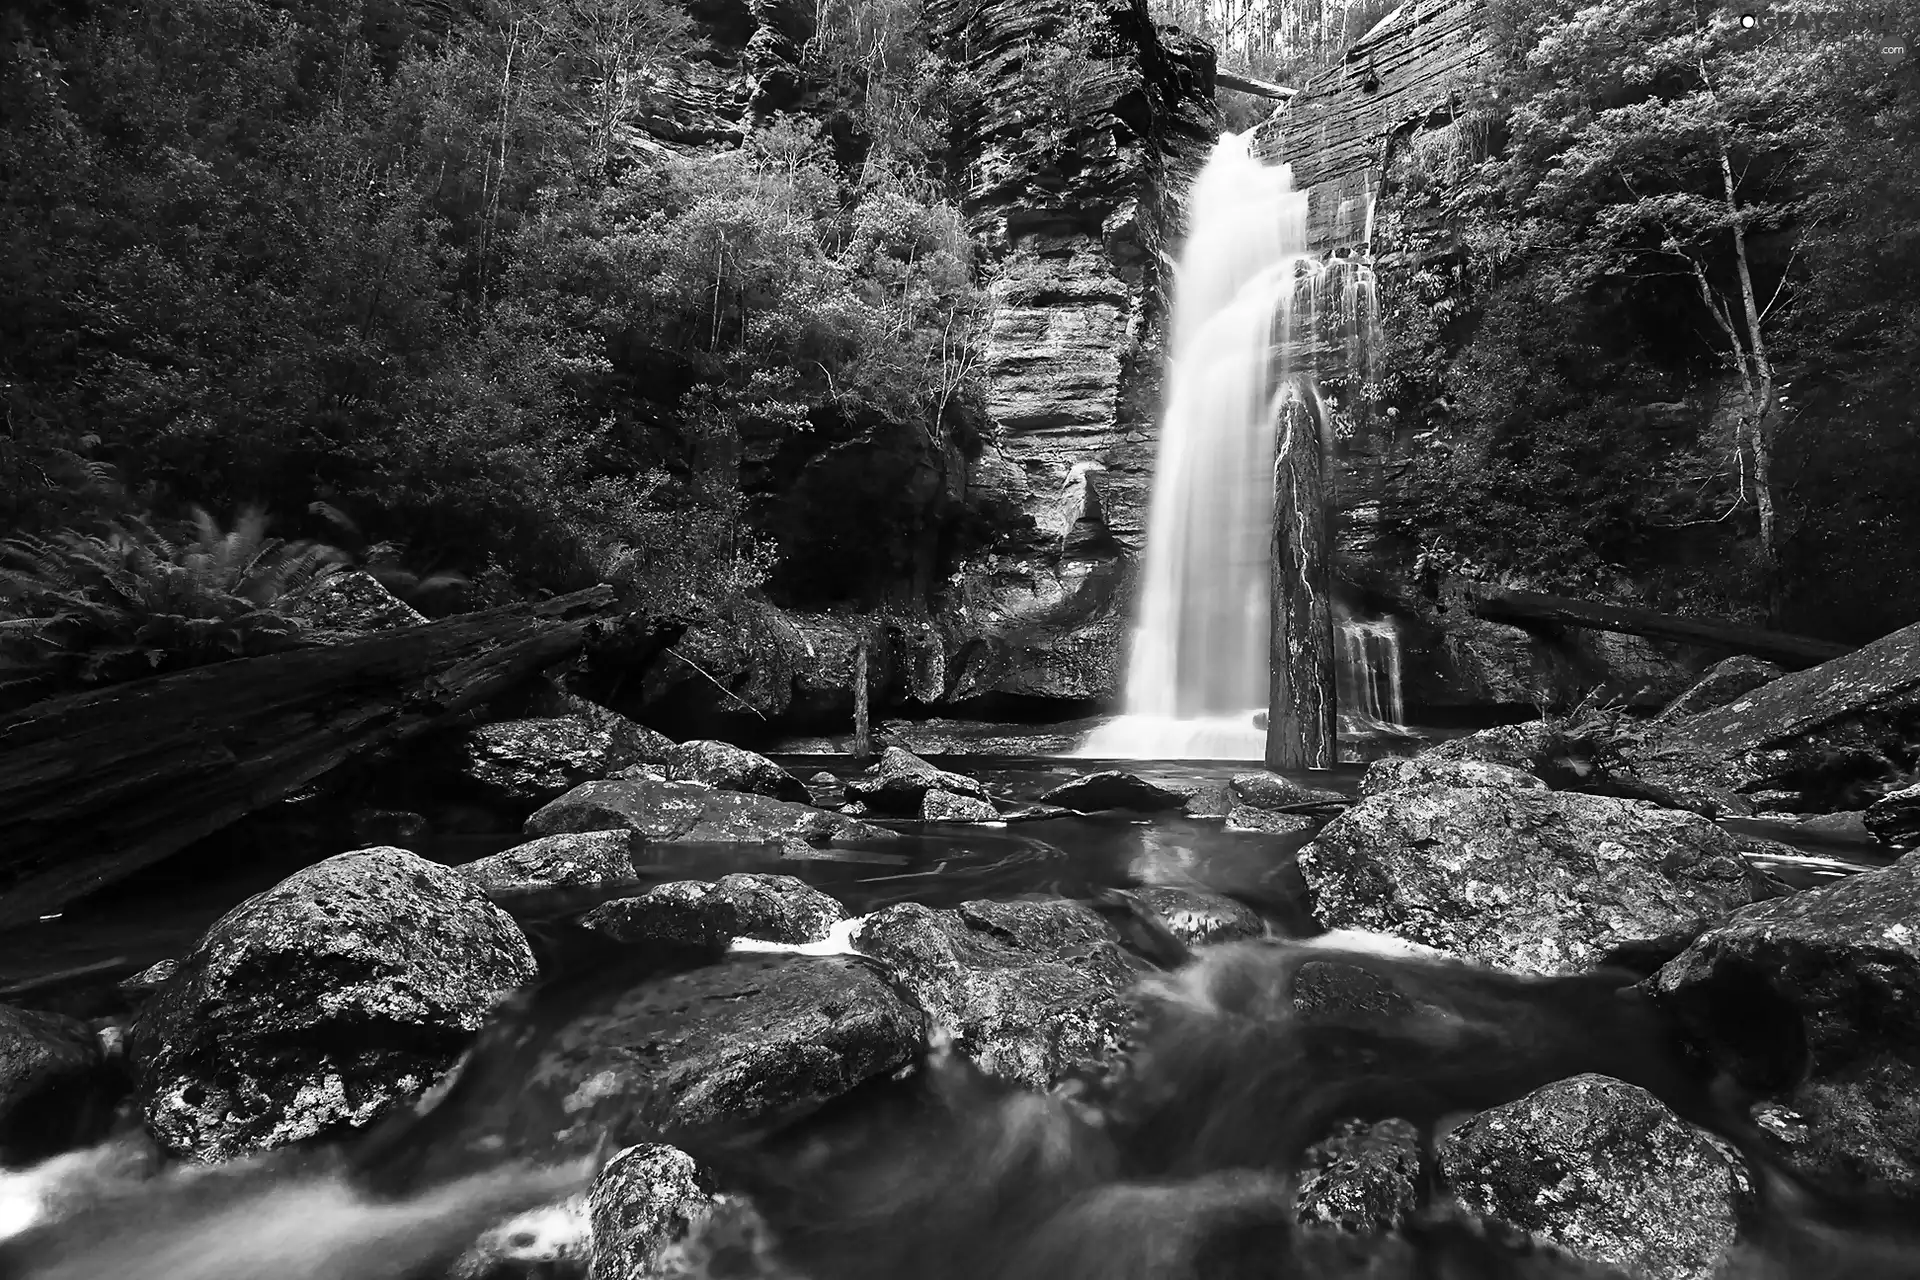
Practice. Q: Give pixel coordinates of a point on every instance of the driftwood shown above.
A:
(1301, 719)
(1526, 609)
(98, 785)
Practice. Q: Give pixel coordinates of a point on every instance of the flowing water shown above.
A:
(1258, 322)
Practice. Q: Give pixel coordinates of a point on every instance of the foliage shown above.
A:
(79, 609)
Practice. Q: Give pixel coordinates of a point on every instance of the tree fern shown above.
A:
(80, 609)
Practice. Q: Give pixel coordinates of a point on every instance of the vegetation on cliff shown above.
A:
(1671, 328)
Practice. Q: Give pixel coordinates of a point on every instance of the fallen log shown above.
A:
(1258, 88)
(1530, 610)
(95, 786)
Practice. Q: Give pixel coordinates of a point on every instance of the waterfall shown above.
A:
(1254, 316)
(1370, 695)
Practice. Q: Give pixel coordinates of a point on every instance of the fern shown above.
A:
(80, 609)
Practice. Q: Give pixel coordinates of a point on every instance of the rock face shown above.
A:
(1895, 817)
(1027, 989)
(1855, 717)
(534, 760)
(675, 811)
(770, 908)
(1092, 124)
(572, 861)
(1430, 771)
(56, 1090)
(645, 1199)
(1603, 1169)
(345, 987)
(731, 768)
(1723, 682)
(1113, 789)
(1847, 958)
(1538, 881)
(901, 781)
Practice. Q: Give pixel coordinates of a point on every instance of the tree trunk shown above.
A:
(96, 786)
(1301, 713)
(862, 729)
(1762, 407)
(1521, 608)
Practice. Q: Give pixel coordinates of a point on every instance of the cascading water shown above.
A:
(1250, 307)
(1370, 696)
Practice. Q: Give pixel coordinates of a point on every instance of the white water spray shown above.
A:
(1249, 304)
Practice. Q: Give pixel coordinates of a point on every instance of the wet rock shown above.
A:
(1113, 789)
(320, 1002)
(1525, 746)
(944, 806)
(1402, 773)
(1820, 731)
(1723, 682)
(1028, 989)
(824, 780)
(547, 1243)
(1841, 828)
(1277, 791)
(731, 768)
(1846, 958)
(1605, 1170)
(1539, 881)
(1197, 917)
(400, 828)
(353, 601)
(575, 860)
(1246, 818)
(57, 1090)
(737, 1041)
(1207, 798)
(534, 760)
(1364, 1178)
(150, 979)
(687, 811)
(901, 781)
(768, 907)
(646, 1199)
(1895, 817)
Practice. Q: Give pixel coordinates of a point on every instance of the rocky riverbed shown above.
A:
(338, 997)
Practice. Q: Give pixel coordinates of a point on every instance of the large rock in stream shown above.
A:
(731, 768)
(56, 1088)
(1847, 958)
(1603, 1169)
(1537, 881)
(317, 1004)
(695, 912)
(533, 760)
(1027, 989)
(901, 782)
(691, 811)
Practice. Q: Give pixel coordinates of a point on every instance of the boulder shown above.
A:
(945, 806)
(662, 811)
(646, 1199)
(574, 860)
(1404, 773)
(1027, 989)
(1364, 1178)
(1819, 731)
(1206, 798)
(320, 1002)
(1846, 957)
(1113, 789)
(731, 768)
(1895, 817)
(768, 907)
(1526, 746)
(518, 762)
(1197, 917)
(901, 781)
(1538, 881)
(1246, 818)
(1277, 791)
(1603, 1169)
(352, 601)
(1723, 682)
(57, 1090)
(634, 1053)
